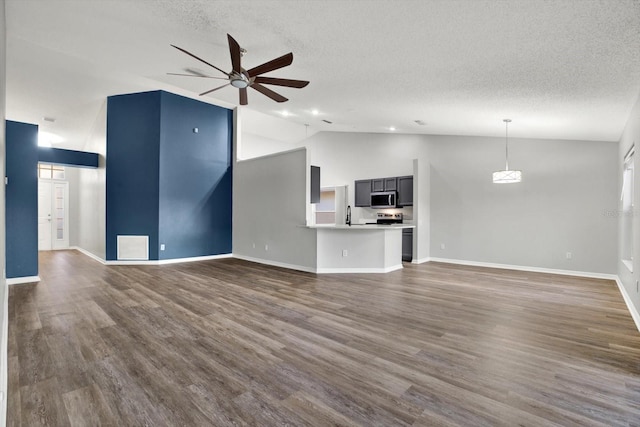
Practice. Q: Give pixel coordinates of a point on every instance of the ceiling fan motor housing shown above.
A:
(240, 80)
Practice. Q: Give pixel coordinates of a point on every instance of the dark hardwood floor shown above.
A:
(232, 343)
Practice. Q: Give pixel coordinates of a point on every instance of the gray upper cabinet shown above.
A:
(384, 184)
(363, 193)
(390, 184)
(405, 191)
(377, 185)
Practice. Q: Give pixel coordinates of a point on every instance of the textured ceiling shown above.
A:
(559, 69)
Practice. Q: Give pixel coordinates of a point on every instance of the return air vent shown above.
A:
(420, 122)
(133, 248)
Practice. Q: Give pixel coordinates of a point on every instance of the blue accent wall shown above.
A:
(61, 156)
(21, 199)
(133, 135)
(195, 178)
(166, 181)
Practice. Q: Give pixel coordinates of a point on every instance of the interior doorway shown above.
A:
(53, 208)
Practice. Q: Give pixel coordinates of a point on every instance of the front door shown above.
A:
(53, 221)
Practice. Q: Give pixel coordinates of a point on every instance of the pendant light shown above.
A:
(507, 176)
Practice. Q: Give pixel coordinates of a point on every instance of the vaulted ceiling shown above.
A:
(566, 69)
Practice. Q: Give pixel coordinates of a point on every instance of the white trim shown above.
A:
(527, 268)
(153, 262)
(420, 261)
(87, 253)
(358, 270)
(21, 280)
(276, 263)
(169, 261)
(627, 300)
(4, 351)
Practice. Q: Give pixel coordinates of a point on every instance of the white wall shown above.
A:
(561, 205)
(3, 283)
(345, 157)
(421, 209)
(262, 134)
(72, 176)
(89, 231)
(257, 146)
(270, 200)
(630, 136)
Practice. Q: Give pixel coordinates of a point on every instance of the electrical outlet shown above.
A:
(344, 252)
(254, 245)
(569, 255)
(442, 246)
(162, 247)
(266, 247)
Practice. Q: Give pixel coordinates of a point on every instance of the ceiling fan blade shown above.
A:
(197, 75)
(274, 64)
(200, 59)
(234, 50)
(268, 92)
(243, 96)
(219, 87)
(298, 84)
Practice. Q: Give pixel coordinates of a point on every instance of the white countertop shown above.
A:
(359, 227)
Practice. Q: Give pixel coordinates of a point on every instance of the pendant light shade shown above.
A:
(507, 176)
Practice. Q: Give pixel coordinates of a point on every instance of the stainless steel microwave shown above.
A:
(383, 200)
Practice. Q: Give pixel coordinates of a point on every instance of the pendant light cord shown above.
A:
(506, 145)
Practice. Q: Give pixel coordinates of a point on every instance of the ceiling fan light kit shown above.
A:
(242, 79)
(507, 176)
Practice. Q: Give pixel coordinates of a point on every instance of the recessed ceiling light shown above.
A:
(284, 113)
(391, 128)
(315, 112)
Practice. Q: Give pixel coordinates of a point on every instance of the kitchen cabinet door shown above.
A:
(363, 193)
(315, 184)
(405, 191)
(407, 244)
(377, 185)
(390, 184)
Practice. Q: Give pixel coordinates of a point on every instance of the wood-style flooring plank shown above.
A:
(233, 343)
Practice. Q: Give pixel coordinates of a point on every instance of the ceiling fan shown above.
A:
(242, 79)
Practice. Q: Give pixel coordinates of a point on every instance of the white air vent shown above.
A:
(133, 248)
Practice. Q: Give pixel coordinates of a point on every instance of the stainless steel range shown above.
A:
(389, 218)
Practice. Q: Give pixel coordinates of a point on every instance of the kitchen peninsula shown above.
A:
(359, 248)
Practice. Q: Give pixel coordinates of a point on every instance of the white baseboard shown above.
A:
(170, 261)
(527, 268)
(276, 263)
(627, 300)
(4, 351)
(420, 261)
(358, 270)
(151, 262)
(87, 253)
(21, 280)
(318, 270)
